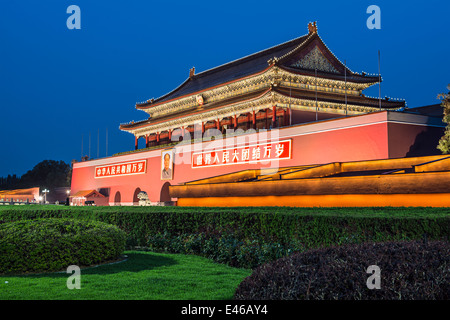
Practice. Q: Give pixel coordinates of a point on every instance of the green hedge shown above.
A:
(247, 237)
(246, 253)
(54, 244)
(312, 226)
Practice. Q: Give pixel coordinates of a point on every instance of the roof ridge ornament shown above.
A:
(199, 99)
(191, 72)
(273, 61)
(312, 27)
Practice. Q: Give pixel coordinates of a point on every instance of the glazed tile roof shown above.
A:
(253, 64)
(356, 101)
(236, 69)
(29, 191)
(86, 194)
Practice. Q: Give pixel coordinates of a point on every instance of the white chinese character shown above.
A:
(256, 153)
(123, 169)
(208, 158)
(134, 167)
(128, 168)
(99, 172)
(245, 154)
(235, 155)
(113, 170)
(103, 171)
(118, 169)
(267, 151)
(226, 157)
(199, 160)
(140, 166)
(216, 158)
(279, 149)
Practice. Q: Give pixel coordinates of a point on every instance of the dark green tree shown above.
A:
(444, 143)
(47, 174)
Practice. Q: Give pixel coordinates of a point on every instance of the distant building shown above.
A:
(30, 195)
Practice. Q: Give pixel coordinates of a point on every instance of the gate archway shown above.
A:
(117, 198)
(164, 195)
(135, 196)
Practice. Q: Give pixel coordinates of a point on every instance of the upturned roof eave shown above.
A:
(354, 77)
(386, 104)
(141, 124)
(148, 105)
(160, 100)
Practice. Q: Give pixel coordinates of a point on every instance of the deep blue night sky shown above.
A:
(57, 85)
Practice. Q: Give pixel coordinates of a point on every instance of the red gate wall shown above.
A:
(371, 136)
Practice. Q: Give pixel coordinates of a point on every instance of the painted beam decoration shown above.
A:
(121, 169)
(256, 153)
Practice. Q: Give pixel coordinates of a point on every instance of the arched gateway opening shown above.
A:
(117, 199)
(164, 195)
(135, 196)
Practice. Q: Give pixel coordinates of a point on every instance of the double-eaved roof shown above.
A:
(285, 55)
(303, 56)
(230, 71)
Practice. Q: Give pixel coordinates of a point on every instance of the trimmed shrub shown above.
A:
(313, 227)
(248, 253)
(53, 244)
(249, 236)
(409, 270)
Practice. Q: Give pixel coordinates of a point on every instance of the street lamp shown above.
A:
(68, 196)
(45, 191)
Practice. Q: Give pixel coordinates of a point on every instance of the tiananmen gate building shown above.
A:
(289, 125)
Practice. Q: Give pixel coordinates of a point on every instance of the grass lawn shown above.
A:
(145, 275)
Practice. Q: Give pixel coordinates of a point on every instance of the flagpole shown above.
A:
(317, 116)
(379, 79)
(106, 141)
(345, 77)
(290, 93)
(315, 75)
(98, 143)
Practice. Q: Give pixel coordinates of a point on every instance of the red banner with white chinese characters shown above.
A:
(121, 169)
(260, 152)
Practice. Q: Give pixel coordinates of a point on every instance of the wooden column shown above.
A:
(218, 124)
(254, 119)
(288, 116)
(284, 118)
(249, 117)
(146, 141)
(135, 143)
(203, 127)
(157, 138)
(170, 134)
(274, 116)
(235, 122)
(267, 118)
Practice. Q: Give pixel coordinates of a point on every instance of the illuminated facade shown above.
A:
(294, 104)
(30, 195)
(295, 82)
